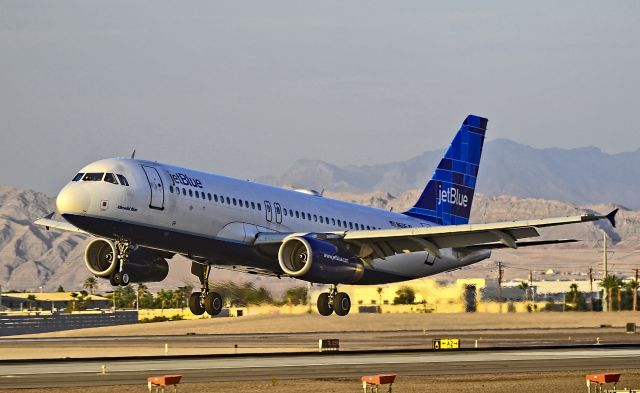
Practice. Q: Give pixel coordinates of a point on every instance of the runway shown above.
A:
(214, 344)
(288, 366)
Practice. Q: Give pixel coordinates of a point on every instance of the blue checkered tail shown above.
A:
(448, 196)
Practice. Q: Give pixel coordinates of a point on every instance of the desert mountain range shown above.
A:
(31, 257)
(580, 176)
(587, 179)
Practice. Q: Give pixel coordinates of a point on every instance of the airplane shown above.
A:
(143, 212)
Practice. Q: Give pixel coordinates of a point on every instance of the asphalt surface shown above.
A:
(83, 372)
(24, 348)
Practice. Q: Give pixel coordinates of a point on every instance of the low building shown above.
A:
(51, 301)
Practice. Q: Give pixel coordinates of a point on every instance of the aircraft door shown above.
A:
(157, 188)
(278, 210)
(267, 211)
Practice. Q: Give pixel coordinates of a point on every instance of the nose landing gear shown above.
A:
(334, 301)
(120, 277)
(202, 301)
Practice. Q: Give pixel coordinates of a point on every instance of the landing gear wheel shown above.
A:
(324, 308)
(213, 303)
(341, 304)
(124, 279)
(194, 304)
(112, 280)
(117, 278)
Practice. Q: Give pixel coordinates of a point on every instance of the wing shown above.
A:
(387, 242)
(47, 222)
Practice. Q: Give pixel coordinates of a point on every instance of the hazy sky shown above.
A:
(244, 88)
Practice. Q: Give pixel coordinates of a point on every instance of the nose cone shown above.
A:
(73, 198)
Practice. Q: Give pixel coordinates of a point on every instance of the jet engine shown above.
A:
(312, 259)
(142, 265)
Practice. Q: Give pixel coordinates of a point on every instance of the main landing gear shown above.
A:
(334, 301)
(202, 301)
(119, 276)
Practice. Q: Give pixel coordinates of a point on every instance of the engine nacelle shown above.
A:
(319, 261)
(146, 265)
(142, 265)
(99, 257)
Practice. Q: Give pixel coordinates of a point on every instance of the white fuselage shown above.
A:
(215, 219)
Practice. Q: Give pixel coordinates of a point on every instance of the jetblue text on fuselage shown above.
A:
(181, 178)
(452, 196)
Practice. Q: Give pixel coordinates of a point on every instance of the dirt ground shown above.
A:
(565, 382)
(359, 322)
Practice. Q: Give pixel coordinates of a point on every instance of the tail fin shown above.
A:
(448, 196)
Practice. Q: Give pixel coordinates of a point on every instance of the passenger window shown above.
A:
(123, 180)
(235, 202)
(215, 197)
(302, 215)
(77, 176)
(259, 206)
(315, 218)
(110, 178)
(253, 205)
(368, 228)
(228, 201)
(221, 199)
(297, 214)
(333, 221)
(93, 177)
(209, 195)
(309, 216)
(284, 211)
(190, 193)
(171, 189)
(326, 219)
(350, 225)
(184, 191)
(197, 194)
(246, 204)
(291, 212)
(357, 226)
(321, 220)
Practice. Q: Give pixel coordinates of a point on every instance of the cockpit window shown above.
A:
(78, 176)
(110, 178)
(93, 176)
(123, 180)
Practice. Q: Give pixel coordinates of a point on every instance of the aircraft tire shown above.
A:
(341, 304)
(324, 308)
(124, 279)
(213, 303)
(194, 304)
(112, 280)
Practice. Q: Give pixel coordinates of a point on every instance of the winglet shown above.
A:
(612, 217)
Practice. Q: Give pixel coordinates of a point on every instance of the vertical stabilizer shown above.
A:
(448, 196)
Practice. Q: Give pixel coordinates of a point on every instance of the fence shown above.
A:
(28, 324)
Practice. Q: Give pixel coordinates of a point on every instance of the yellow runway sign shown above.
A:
(445, 343)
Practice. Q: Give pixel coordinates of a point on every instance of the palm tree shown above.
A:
(379, 290)
(633, 286)
(90, 284)
(524, 286)
(574, 295)
(609, 283)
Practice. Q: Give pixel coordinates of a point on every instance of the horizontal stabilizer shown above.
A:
(612, 217)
